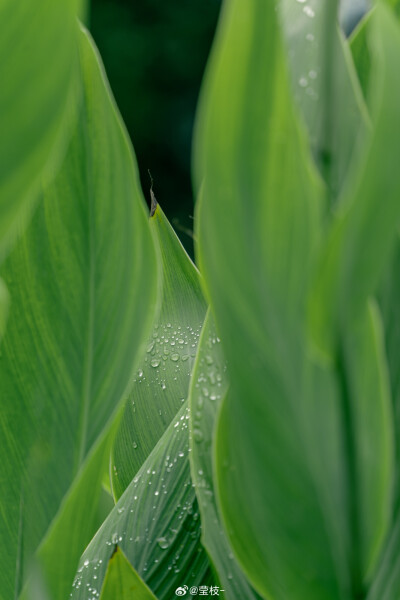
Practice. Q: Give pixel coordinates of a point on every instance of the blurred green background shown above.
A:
(154, 53)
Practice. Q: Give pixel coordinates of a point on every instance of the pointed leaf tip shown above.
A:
(154, 204)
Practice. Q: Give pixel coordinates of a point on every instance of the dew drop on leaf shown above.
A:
(163, 543)
(197, 435)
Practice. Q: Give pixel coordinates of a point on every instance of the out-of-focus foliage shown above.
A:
(257, 455)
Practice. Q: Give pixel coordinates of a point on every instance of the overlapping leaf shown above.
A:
(325, 86)
(162, 380)
(290, 437)
(83, 287)
(363, 232)
(155, 523)
(39, 67)
(208, 386)
(122, 582)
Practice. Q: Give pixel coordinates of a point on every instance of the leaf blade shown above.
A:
(84, 290)
(34, 135)
(122, 581)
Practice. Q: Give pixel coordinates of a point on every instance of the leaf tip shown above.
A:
(154, 203)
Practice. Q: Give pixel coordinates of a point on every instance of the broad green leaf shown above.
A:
(325, 86)
(162, 380)
(83, 286)
(282, 464)
(208, 386)
(363, 231)
(38, 66)
(259, 220)
(74, 525)
(155, 522)
(122, 582)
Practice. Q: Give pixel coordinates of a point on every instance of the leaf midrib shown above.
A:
(88, 349)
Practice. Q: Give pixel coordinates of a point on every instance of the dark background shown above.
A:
(155, 53)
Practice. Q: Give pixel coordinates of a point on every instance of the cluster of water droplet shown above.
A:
(136, 524)
(208, 387)
(88, 579)
(169, 343)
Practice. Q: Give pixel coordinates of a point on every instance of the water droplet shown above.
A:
(181, 454)
(312, 74)
(120, 510)
(86, 563)
(140, 373)
(135, 445)
(114, 538)
(309, 12)
(175, 357)
(155, 362)
(163, 543)
(197, 435)
(213, 397)
(163, 386)
(310, 37)
(303, 82)
(150, 347)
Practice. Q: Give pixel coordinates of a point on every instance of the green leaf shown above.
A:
(286, 448)
(362, 233)
(208, 386)
(325, 86)
(122, 582)
(74, 525)
(83, 284)
(155, 522)
(256, 256)
(162, 380)
(39, 67)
